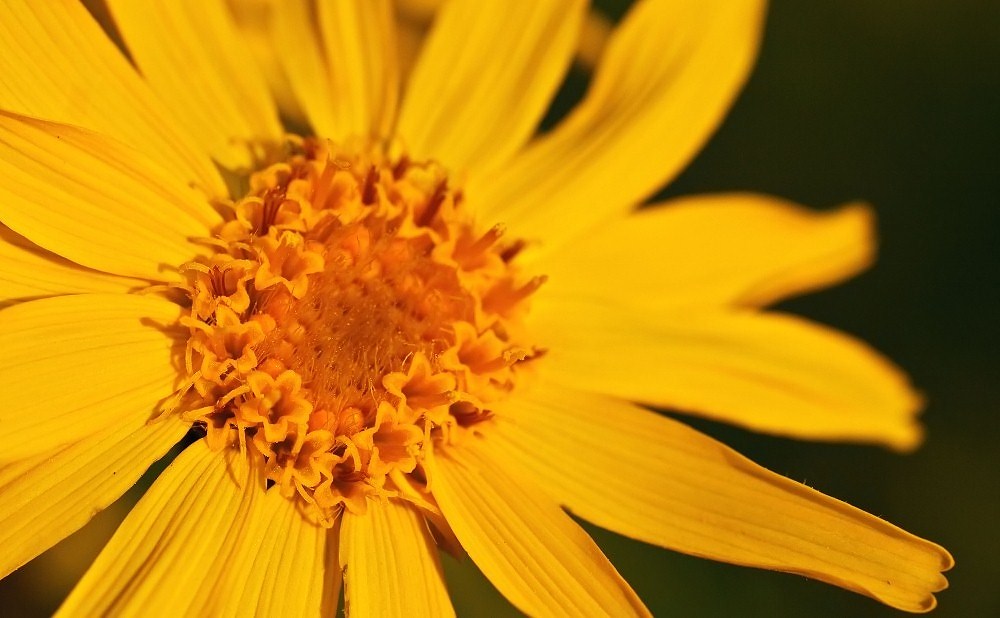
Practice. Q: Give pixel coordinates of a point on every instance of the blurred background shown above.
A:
(894, 103)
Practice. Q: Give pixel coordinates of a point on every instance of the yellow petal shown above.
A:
(767, 372)
(652, 478)
(175, 542)
(741, 249)
(414, 15)
(485, 76)
(391, 564)
(301, 62)
(360, 43)
(49, 496)
(27, 272)
(255, 20)
(57, 64)
(341, 63)
(597, 30)
(418, 10)
(74, 365)
(667, 78)
(96, 201)
(538, 557)
(191, 56)
(275, 568)
(410, 36)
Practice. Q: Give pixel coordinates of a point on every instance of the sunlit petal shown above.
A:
(651, 478)
(768, 372)
(505, 61)
(712, 250)
(650, 108)
(111, 355)
(541, 560)
(83, 79)
(390, 544)
(190, 54)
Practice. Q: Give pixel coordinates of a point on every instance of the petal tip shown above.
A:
(909, 439)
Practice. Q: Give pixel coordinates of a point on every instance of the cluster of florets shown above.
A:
(350, 319)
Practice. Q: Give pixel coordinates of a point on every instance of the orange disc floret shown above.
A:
(352, 316)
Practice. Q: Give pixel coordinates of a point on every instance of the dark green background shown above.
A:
(895, 103)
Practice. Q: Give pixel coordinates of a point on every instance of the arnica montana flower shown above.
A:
(416, 325)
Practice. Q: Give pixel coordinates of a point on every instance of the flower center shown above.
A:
(352, 317)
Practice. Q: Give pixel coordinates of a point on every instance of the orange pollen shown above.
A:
(352, 317)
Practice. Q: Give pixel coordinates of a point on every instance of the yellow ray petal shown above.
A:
(594, 37)
(255, 20)
(667, 78)
(27, 271)
(276, 567)
(360, 43)
(57, 64)
(49, 496)
(191, 56)
(652, 478)
(96, 201)
(73, 365)
(418, 10)
(538, 557)
(391, 564)
(178, 539)
(741, 249)
(485, 76)
(410, 36)
(341, 63)
(301, 62)
(767, 372)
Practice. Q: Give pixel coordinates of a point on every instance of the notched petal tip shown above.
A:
(915, 598)
(709, 500)
(898, 569)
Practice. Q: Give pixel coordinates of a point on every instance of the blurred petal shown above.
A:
(57, 64)
(485, 76)
(653, 479)
(110, 355)
(410, 36)
(767, 372)
(172, 547)
(333, 576)
(538, 557)
(391, 564)
(301, 62)
(418, 10)
(49, 496)
(668, 76)
(190, 54)
(360, 43)
(341, 63)
(96, 201)
(594, 37)
(255, 20)
(28, 272)
(711, 250)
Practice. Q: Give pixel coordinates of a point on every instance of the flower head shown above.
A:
(416, 326)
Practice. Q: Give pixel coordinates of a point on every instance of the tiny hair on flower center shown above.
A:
(351, 316)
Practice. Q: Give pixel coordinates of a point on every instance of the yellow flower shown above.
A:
(421, 325)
